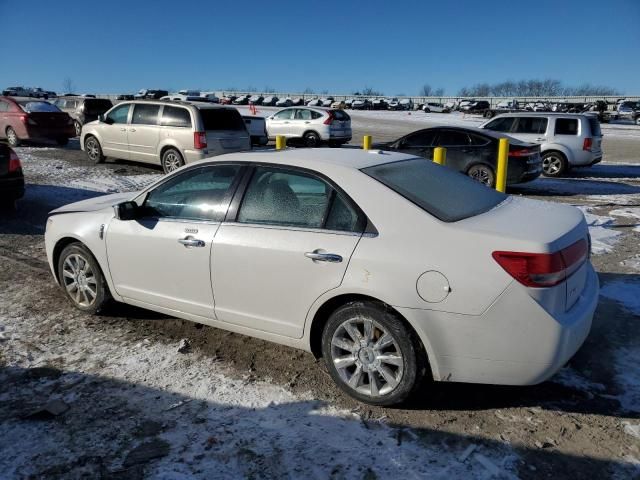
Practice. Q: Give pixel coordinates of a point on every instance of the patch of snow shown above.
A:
(603, 238)
(633, 262)
(627, 378)
(628, 212)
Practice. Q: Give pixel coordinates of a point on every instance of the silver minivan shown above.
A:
(164, 132)
(566, 139)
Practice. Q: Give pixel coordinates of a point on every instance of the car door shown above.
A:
(113, 132)
(163, 258)
(279, 123)
(530, 129)
(289, 243)
(302, 118)
(419, 143)
(144, 133)
(461, 152)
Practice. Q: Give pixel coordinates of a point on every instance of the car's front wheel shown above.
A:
(93, 149)
(483, 174)
(371, 354)
(80, 276)
(554, 164)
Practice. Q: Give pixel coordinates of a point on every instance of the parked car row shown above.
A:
(32, 92)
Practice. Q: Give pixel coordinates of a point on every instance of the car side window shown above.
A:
(566, 126)
(315, 115)
(450, 138)
(503, 124)
(198, 194)
(418, 139)
(119, 114)
(175, 117)
(283, 115)
(145, 114)
(281, 197)
(478, 140)
(343, 217)
(4, 106)
(302, 114)
(531, 125)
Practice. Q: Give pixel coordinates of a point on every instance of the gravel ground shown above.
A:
(111, 397)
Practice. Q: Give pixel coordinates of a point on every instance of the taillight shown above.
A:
(199, 140)
(329, 119)
(543, 269)
(23, 118)
(14, 162)
(587, 144)
(522, 152)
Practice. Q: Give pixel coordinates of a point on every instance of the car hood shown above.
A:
(95, 204)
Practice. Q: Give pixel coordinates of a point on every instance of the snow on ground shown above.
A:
(628, 212)
(603, 238)
(628, 374)
(633, 263)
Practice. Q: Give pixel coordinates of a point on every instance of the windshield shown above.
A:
(429, 186)
(30, 107)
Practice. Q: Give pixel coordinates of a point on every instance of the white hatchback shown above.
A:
(313, 126)
(363, 258)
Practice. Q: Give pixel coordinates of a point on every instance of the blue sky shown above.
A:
(114, 46)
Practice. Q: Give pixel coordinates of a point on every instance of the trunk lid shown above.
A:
(50, 119)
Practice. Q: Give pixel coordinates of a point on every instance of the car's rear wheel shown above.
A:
(371, 354)
(171, 160)
(12, 137)
(637, 120)
(80, 276)
(77, 127)
(426, 110)
(554, 164)
(311, 139)
(93, 149)
(483, 174)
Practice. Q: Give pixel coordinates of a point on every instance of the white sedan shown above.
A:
(390, 267)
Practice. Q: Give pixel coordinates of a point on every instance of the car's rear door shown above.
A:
(164, 257)
(531, 129)
(144, 133)
(419, 143)
(290, 242)
(461, 151)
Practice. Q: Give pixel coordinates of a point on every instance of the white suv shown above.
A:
(166, 133)
(312, 125)
(566, 140)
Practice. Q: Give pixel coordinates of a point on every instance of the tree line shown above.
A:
(535, 88)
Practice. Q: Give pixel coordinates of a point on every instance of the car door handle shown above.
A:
(540, 139)
(323, 257)
(307, 122)
(123, 129)
(132, 129)
(191, 242)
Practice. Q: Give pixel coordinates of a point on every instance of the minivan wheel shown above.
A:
(311, 139)
(371, 354)
(554, 164)
(12, 137)
(78, 127)
(171, 160)
(80, 276)
(93, 149)
(483, 174)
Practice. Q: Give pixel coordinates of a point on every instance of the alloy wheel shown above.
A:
(12, 138)
(172, 162)
(551, 164)
(93, 150)
(79, 280)
(481, 174)
(367, 357)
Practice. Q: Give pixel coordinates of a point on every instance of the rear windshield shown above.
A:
(594, 123)
(38, 107)
(340, 115)
(97, 106)
(430, 187)
(222, 119)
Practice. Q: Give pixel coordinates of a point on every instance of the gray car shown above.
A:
(83, 109)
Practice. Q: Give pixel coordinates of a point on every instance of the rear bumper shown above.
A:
(515, 342)
(259, 139)
(36, 133)
(11, 188)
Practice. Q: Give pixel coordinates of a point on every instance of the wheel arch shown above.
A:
(330, 305)
(64, 242)
(555, 148)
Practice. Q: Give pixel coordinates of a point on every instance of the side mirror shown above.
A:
(101, 118)
(126, 211)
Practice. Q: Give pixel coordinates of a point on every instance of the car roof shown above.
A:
(199, 105)
(540, 114)
(319, 159)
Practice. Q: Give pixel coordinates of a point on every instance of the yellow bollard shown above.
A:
(503, 158)
(366, 142)
(440, 155)
(281, 142)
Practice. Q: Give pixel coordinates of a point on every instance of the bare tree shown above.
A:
(269, 89)
(534, 88)
(427, 91)
(370, 92)
(68, 86)
(308, 91)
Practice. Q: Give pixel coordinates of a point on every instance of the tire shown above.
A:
(482, 173)
(171, 160)
(93, 149)
(426, 110)
(12, 137)
(62, 141)
(638, 120)
(77, 127)
(81, 278)
(554, 164)
(392, 371)
(311, 140)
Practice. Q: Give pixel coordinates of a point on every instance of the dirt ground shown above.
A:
(110, 396)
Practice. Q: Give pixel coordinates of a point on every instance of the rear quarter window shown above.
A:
(566, 126)
(175, 117)
(222, 119)
(429, 186)
(594, 125)
(340, 115)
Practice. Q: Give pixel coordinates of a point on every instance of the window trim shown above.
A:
(229, 196)
(238, 198)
